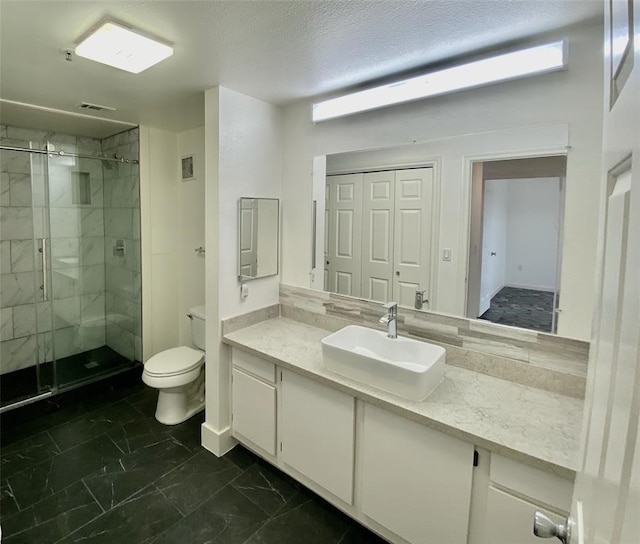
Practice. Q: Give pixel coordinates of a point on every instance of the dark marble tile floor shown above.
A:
(526, 308)
(94, 466)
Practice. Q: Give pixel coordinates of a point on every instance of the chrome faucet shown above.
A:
(391, 319)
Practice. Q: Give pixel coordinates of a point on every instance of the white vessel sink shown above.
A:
(402, 366)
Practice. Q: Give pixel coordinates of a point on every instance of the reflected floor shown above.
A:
(71, 371)
(526, 308)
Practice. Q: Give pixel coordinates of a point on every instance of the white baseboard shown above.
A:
(496, 291)
(217, 442)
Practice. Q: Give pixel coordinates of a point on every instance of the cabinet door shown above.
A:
(254, 411)
(318, 433)
(416, 481)
(510, 519)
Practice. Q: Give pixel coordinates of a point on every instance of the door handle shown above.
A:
(545, 527)
(45, 275)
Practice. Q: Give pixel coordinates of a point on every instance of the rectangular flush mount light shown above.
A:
(120, 47)
(526, 62)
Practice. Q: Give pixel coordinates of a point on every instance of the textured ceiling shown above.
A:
(276, 51)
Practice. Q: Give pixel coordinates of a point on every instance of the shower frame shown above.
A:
(42, 255)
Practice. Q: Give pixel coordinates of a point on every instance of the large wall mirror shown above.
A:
(258, 235)
(387, 212)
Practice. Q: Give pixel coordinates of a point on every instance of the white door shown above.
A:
(494, 241)
(327, 221)
(606, 501)
(412, 236)
(344, 262)
(248, 242)
(377, 235)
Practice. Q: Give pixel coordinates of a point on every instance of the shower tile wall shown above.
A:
(122, 222)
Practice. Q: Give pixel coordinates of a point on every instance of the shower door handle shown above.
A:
(45, 274)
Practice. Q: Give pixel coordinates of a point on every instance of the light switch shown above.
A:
(244, 290)
(446, 254)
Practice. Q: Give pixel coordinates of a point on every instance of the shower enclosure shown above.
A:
(70, 284)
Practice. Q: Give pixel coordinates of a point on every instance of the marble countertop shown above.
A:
(533, 426)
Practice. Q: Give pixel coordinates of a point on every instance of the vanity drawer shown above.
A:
(541, 486)
(254, 365)
(510, 519)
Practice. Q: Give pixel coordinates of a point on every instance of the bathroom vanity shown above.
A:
(470, 464)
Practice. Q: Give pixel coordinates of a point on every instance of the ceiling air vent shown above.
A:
(94, 107)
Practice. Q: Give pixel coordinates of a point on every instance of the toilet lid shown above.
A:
(173, 361)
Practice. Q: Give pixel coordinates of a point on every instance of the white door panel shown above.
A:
(248, 242)
(344, 233)
(606, 499)
(412, 236)
(377, 233)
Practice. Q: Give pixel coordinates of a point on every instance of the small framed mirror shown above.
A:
(258, 237)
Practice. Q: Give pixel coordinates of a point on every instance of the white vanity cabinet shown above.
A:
(405, 480)
(317, 433)
(515, 492)
(253, 405)
(416, 481)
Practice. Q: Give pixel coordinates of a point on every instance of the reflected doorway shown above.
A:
(517, 214)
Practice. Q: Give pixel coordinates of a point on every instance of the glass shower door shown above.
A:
(77, 263)
(25, 318)
(89, 339)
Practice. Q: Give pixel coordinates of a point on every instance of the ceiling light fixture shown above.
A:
(526, 62)
(122, 48)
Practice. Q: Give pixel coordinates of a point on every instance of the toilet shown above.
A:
(178, 374)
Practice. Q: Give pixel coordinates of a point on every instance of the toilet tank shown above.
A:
(198, 318)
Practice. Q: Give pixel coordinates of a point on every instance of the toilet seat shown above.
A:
(174, 362)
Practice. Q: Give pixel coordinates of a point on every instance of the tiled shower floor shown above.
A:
(82, 367)
(94, 466)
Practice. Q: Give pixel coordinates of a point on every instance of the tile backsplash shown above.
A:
(533, 358)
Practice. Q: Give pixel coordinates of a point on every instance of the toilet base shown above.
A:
(177, 404)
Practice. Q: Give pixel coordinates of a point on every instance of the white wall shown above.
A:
(532, 227)
(191, 202)
(573, 97)
(160, 240)
(172, 217)
(243, 150)
(494, 240)
(251, 166)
